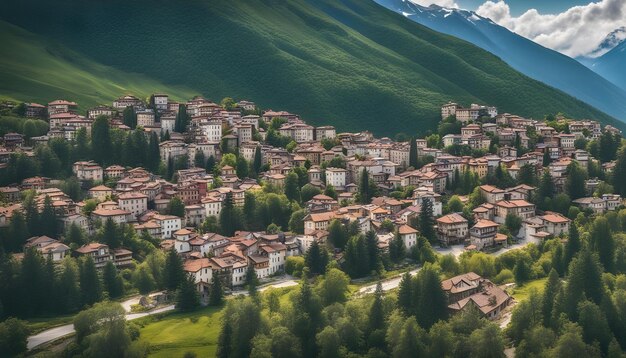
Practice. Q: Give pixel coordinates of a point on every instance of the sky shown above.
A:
(572, 27)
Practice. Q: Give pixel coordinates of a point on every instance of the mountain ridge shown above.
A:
(526, 56)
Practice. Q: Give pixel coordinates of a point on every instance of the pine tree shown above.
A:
(82, 150)
(242, 167)
(575, 181)
(101, 140)
(112, 282)
(210, 164)
(405, 294)
(426, 221)
(376, 313)
(619, 173)
(257, 163)
(252, 280)
(32, 295)
(433, 303)
(154, 154)
(521, 271)
(187, 297)
(316, 259)
(573, 245)
(413, 153)
(176, 207)
(601, 241)
(397, 250)
(90, 285)
(337, 234)
(584, 281)
(31, 215)
(143, 280)
(68, 286)
(182, 119)
(229, 220)
(216, 296)
(373, 252)
(174, 274)
(292, 190)
(18, 232)
(110, 235)
(552, 287)
(130, 117)
(308, 317)
(48, 220)
(364, 188)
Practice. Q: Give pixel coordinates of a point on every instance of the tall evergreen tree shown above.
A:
(48, 220)
(112, 281)
(31, 214)
(575, 181)
(252, 280)
(110, 234)
(316, 258)
(82, 150)
(433, 303)
(176, 207)
(397, 250)
(308, 317)
(182, 119)
(601, 241)
(33, 295)
(573, 244)
(216, 295)
(130, 117)
(376, 313)
(257, 163)
(292, 190)
(154, 154)
(405, 294)
(101, 140)
(584, 281)
(18, 233)
(68, 288)
(337, 234)
(426, 221)
(413, 153)
(174, 274)
(364, 187)
(242, 167)
(229, 216)
(187, 297)
(373, 252)
(90, 285)
(619, 173)
(552, 287)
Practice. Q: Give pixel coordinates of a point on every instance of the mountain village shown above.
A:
(481, 160)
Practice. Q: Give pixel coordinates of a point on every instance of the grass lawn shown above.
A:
(521, 293)
(37, 325)
(174, 334)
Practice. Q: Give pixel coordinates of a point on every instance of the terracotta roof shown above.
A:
(197, 264)
(406, 230)
(452, 219)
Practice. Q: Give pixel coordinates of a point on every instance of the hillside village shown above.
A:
(232, 188)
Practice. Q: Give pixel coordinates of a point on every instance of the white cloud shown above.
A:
(451, 4)
(575, 32)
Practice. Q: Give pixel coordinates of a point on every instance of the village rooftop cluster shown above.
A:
(404, 174)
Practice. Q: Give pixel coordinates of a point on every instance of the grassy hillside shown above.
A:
(350, 63)
(31, 70)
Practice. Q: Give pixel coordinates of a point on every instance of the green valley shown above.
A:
(350, 63)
